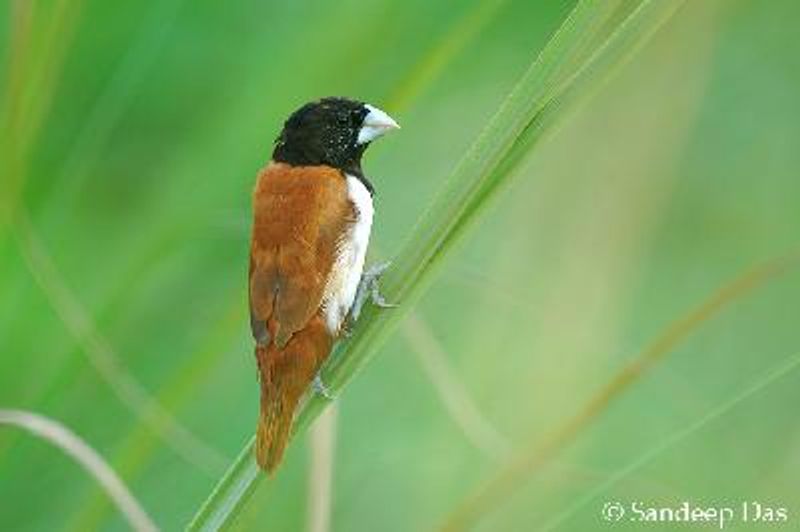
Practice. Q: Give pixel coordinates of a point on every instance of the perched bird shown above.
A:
(312, 218)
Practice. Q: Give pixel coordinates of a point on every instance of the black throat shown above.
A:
(300, 155)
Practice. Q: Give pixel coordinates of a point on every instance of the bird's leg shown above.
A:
(368, 287)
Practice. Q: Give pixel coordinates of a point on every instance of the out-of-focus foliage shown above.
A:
(131, 136)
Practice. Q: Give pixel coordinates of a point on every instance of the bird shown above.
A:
(312, 217)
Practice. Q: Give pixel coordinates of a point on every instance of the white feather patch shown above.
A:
(340, 290)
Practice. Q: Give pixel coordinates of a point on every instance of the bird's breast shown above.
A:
(351, 252)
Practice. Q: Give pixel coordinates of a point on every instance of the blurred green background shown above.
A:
(132, 133)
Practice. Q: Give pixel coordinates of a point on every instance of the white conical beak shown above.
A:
(376, 124)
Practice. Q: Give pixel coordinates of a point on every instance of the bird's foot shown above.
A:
(320, 388)
(369, 288)
(347, 327)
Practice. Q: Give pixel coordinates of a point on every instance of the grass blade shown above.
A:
(585, 49)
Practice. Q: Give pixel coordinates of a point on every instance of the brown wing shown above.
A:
(300, 212)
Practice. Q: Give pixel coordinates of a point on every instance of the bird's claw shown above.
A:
(347, 328)
(368, 288)
(320, 388)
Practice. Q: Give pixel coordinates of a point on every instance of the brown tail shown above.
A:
(285, 375)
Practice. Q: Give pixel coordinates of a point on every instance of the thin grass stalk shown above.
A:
(90, 461)
(527, 463)
(776, 373)
(30, 87)
(322, 453)
(138, 444)
(451, 44)
(457, 402)
(104, 359)
(535, 105)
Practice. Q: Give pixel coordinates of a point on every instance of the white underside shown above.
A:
(340, 291)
